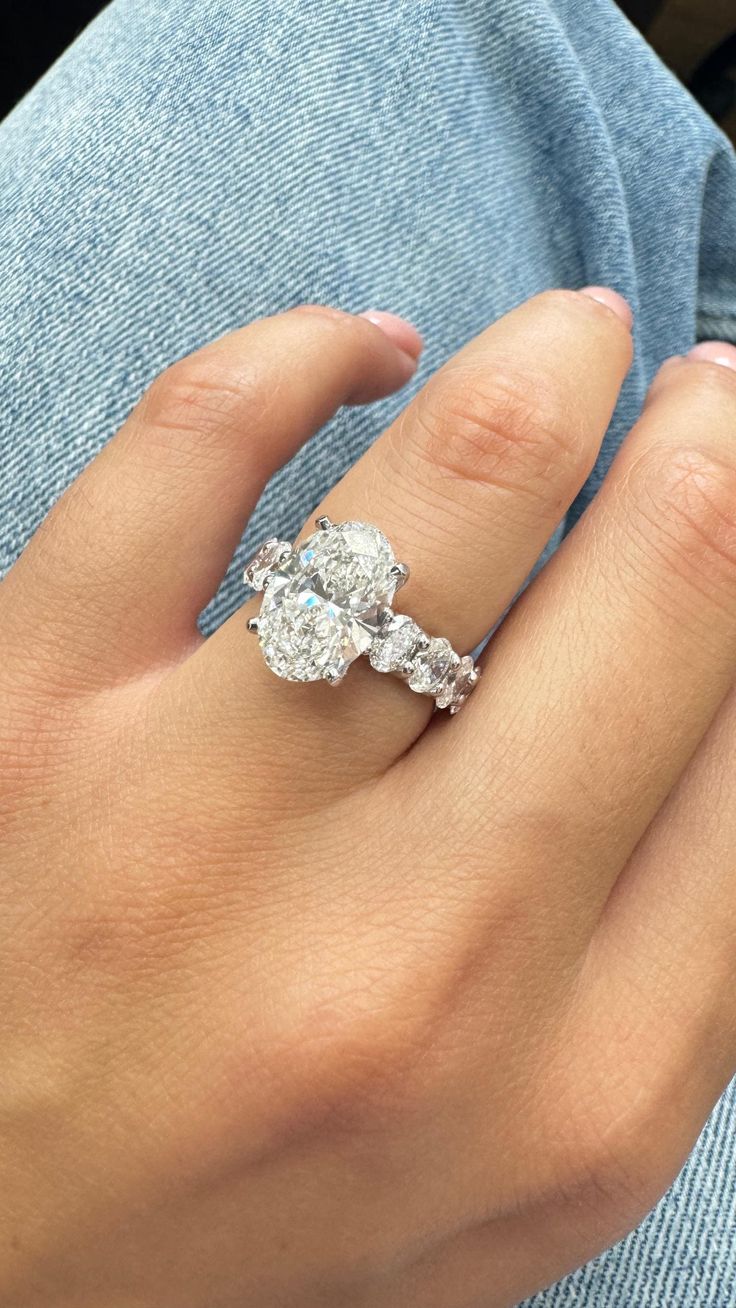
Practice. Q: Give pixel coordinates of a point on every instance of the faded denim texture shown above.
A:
(192, 164)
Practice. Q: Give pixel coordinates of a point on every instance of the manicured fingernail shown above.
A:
(612, 300)
(402, 333)
(715, 352)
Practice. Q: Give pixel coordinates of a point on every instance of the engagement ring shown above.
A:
(328, 600)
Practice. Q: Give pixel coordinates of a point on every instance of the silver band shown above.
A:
(328, 600)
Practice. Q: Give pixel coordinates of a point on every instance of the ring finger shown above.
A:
(468, 486)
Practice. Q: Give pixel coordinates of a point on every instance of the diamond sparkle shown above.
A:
(394, 645)
(321, 607)
(456, 690)
(431, 666)
(260, 567)
(353, 562)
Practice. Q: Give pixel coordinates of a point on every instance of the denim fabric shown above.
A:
(188, 166)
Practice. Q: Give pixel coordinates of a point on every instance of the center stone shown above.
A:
(320, 610)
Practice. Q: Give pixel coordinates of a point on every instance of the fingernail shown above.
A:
(715, 352)
(402, 333)
(612, 300)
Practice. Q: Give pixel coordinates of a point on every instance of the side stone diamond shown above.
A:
(431, 666)
(455, 692)
(394, 644)
(272, 553)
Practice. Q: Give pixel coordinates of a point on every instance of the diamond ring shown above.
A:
(327, 601)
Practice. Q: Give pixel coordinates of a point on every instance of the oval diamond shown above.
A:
(272, 553)
(431, 666)
(394, 644)
(321, 605)
(304, 635)
(353, 561)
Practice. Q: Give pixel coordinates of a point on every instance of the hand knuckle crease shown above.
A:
(692, 499)
(201, 401)
(496, 433)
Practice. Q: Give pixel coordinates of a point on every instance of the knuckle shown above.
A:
(623, 1175)
(620, 1157)
(499, 429)
(200, 404)
(628, 1105)
(350, 1070)
(352, 1051)
(688, 498)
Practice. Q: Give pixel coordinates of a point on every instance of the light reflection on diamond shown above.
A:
(431, 666)
(320, 610)
(353, 561)
(259, 568)
(393, 646)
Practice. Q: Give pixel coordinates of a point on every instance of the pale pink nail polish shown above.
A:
(403, 334)
(715, 352)
(612, 300)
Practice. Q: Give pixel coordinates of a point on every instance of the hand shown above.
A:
(309, 1000)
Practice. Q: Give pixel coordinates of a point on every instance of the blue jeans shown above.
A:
(188, 166)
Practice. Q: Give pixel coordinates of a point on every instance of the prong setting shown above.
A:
(323, 522)
(400, 574)
(252, 625)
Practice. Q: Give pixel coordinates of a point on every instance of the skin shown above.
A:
(309, 1000)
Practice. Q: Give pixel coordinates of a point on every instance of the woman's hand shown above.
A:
(307, 1000)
